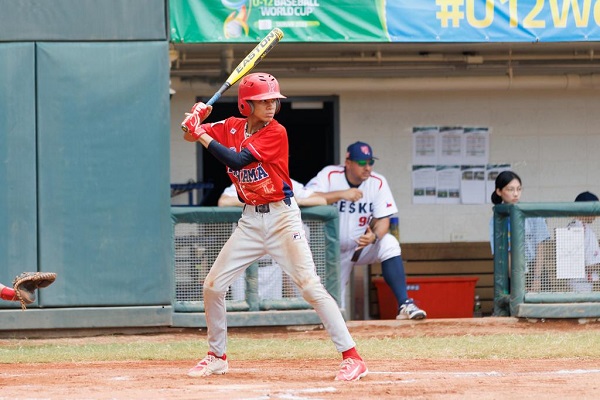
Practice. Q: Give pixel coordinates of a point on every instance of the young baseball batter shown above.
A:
(365, 203)
(255, 152)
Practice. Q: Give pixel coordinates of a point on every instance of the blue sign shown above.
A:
(493, 20)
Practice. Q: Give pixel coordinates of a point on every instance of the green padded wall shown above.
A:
(83, 20)
(103, 156)
(18, 222)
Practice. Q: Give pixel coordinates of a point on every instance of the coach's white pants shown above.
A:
(386, 248)
(280, 234)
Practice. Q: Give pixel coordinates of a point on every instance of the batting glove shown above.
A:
(194, 118)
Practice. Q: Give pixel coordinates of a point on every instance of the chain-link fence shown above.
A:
(547, 259)
(199, 236)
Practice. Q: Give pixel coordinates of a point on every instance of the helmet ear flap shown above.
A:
(246, 107)
(250, 109)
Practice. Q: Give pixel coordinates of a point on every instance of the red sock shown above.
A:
(8, 294)
(223, 357)
(352, 353)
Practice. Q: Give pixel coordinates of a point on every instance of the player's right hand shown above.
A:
(194, 118)
(353, 194)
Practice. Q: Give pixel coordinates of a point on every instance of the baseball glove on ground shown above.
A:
(26, 283)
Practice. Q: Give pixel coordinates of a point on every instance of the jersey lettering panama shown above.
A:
(247, 175)
(266, 180)
(377, 201)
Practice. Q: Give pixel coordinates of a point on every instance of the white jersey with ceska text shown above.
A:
(377, 201)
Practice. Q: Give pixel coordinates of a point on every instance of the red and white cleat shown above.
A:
(210, 365)
(352, 370)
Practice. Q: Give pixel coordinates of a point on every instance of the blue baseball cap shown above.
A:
(586, 196)
(360, 151)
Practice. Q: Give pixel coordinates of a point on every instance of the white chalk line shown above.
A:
(300, 394)
(283, 394)
(489, 373)
(265, 392)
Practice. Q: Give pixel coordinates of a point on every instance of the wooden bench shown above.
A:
(471, 259)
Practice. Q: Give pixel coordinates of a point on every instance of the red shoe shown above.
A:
(352, 370)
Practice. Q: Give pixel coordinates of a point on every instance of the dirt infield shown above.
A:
(276, 379)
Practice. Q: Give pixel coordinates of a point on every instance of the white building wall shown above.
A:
(183, 154)
(550, 136)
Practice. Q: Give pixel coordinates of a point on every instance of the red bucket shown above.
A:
(439, 297)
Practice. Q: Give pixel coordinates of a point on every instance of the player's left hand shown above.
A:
(202, 110)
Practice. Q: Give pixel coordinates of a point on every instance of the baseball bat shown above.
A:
(359, 251)
(247, 64)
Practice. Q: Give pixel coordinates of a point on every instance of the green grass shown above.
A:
(533, 346)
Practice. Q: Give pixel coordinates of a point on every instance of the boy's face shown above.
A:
(265, 110)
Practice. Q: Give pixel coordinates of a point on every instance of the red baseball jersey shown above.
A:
(266, 180)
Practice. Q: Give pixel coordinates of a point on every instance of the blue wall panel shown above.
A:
(103, 152)
(83, 20)
(18, 220)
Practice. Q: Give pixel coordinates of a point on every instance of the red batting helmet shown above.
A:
(257, 86)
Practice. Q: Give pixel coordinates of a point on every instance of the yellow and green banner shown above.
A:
(208, 21)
